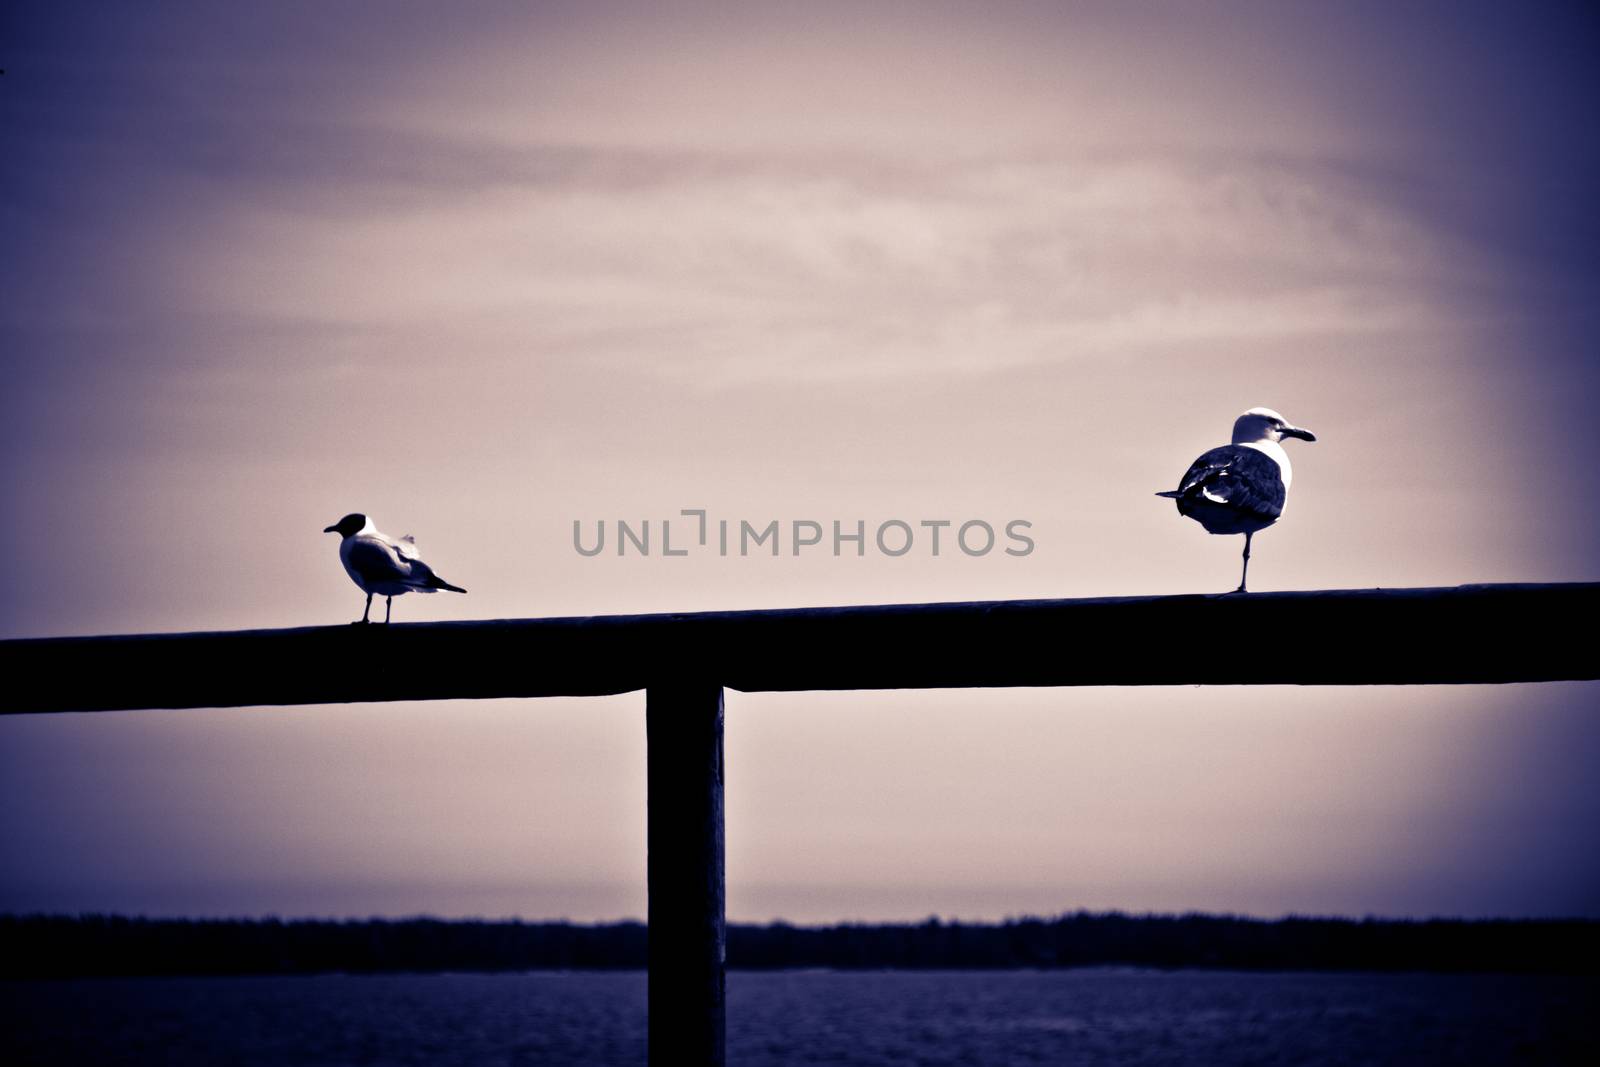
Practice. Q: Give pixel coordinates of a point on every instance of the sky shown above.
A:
(499, 272)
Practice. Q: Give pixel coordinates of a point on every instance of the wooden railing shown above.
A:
(1464, 634)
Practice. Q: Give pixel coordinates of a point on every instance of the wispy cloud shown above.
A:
(768, 267)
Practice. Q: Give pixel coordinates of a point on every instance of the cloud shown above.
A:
(744, 267)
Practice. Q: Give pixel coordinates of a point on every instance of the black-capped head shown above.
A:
(351, 523)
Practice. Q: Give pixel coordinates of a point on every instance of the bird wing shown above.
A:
(1240, 478)
(422, 579)
(378, 561)
(382, 559)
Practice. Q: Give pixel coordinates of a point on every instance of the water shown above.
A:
(1092, 1016)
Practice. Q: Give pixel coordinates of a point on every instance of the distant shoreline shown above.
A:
(59, 946)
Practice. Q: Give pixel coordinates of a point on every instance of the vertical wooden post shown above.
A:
(688, 933)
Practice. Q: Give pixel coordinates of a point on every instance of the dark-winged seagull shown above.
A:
(1241, 487)
(382, 566)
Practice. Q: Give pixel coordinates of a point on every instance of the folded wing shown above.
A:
(1241, 479)
(377, 561)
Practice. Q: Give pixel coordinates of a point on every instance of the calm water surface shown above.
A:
(1094, 1016)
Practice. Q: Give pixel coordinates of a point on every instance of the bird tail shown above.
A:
(1173, 494)
(423, 580)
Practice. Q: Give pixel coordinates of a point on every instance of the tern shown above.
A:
(382, 566)
(1241, 487)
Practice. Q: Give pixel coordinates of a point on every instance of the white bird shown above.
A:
(382, 566)
(1241, 487)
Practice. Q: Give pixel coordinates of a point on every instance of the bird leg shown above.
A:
(1246, 561)
(388, 602)
(364, 614)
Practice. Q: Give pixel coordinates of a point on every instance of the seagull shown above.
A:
(1241, 487)
(381, 565)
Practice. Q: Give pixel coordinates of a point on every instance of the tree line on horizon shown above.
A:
(56, 946)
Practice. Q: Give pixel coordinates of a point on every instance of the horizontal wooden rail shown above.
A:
(1461, 634)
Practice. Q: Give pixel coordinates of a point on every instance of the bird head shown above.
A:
(352, 523)
(1264, 424)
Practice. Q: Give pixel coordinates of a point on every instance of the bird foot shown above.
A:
(362, 622)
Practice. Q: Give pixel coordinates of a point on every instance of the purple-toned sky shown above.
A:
(485, 270)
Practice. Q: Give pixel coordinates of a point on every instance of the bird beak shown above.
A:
(1295, 431)
(330, 529)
